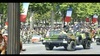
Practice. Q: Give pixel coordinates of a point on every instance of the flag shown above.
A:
(87, 19)
(67, 19)
(94, 19)
(68, 15)
(24, 14)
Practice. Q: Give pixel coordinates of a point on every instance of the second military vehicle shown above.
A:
(68, 40)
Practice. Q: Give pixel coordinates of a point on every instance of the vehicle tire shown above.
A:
(71, 46)
(49, 47)
(65, 47)
(87, 44)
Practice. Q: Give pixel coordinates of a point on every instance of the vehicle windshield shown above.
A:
(54, 32)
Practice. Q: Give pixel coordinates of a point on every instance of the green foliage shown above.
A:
(21, 5)
(42, 11)
(3, 9)
(81, 10)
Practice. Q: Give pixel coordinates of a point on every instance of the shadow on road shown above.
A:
(62, 49)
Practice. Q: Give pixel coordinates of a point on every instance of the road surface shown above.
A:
(39, 48)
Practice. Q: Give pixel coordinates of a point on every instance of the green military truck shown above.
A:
(98, 40)
(68, 40)
(84, 39)
(98, 36)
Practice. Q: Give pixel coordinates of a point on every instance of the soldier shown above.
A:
(48, 34)
(70, 34)
(82, 33)
(77, 33)
(63, 32)
(92, 33)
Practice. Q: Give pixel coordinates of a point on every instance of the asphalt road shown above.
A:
(39, 48)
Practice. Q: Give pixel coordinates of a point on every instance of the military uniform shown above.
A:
(71, 35)
(77, 33)
(83, 35)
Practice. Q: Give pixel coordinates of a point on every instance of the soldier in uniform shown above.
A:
(70, 34)
(92, 34)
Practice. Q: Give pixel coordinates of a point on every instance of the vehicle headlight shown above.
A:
(64, 41)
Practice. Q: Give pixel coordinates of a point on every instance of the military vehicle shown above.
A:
(98, 40)
(98, 36)
(84, 39)
(68, 40)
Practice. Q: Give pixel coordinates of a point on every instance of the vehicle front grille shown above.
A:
(61, 37)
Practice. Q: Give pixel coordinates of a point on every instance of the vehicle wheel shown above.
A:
(48, 47)
(71, 46)
(87, 44)
(65, 47)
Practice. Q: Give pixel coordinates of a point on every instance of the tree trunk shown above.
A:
(52, 19)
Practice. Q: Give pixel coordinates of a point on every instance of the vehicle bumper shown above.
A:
(55, 43)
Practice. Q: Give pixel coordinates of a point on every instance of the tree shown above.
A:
(3, 10)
